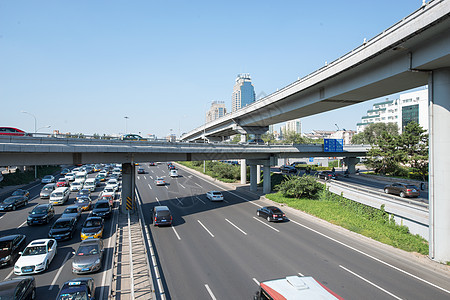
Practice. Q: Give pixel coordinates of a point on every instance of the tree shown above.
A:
(415, 147)
(268, 138)
(374, 131)
(299, 187)
(386, 154)
(293, 138)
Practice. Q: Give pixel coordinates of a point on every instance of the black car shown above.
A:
(162, 216)
(102, 209)
(288, 169)
(11, 203)
(62, 229)
(72, 211)
(10, 246)
(271, 213)
(78, 288)
(141, 171)
(20, 288)
(21, 192)
(41, 214)
(327, 175)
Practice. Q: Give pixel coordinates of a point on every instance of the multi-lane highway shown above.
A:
(221, 250)
(49, 282)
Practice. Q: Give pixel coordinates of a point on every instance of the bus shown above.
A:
(294, 287)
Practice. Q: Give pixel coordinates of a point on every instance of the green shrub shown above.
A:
(297, 187)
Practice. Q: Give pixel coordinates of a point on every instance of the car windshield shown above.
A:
(61, 180)
(276, 210)
(80, 295)
(61, 224)
(163, 213)
(47, 188)
(109, 190)
(47, 177)
(93, 223)
(411, 187)
(39, 210)
(5, 245)
(217, 194)
(9, 200)
(102, 205)
(70, 210)
(76, 183)
(35, 250)
(88, 250)
(57, 194)
(82, 200)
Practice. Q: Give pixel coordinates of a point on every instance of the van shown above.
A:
(81, 176)
(59, 196)
(90, 184)
(162, 216)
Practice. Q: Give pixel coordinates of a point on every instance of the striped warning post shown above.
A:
(129, 203)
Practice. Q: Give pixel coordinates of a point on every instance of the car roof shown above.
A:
(64, 219)
(42, 205)
(71, 206)
(102, 201)
(162, 207)
(39, 242)
(90, 241)
(9, 237)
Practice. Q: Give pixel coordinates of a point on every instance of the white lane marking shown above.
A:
(265, 224)
(179, 201)
(59, 271)
(145, 178)
(221, 188)
(2, 216)
(151, 177)
(198, 184)
(23, 224)
(176, 233)
(372, 257)
(182, 185)
(10, 273)
(166, 187)
(364, 279)
(256, 281)
(158, 200)
(102, 290)
(300, 274)
(138, 178)
(236, 226)
(204, 227)
(200, 200)
(149, 186)
(210, 292)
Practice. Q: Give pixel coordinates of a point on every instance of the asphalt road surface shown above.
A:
(221, 250)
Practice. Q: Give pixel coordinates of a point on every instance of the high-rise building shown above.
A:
(408, 107)
(243, 92)
(216, 111)
(292, 126)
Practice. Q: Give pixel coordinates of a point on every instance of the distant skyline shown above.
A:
(83, 66)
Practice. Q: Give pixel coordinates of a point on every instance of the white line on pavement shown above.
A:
(59, 272)
(108, 258)
(145, 178)
(372, 257)
(266, 224)
(158, 200)
(10, 273)
(166, 187)
(300, 274)
(23, 224)
(179, 201)
(200, 200)
(176, 233)
(204, 227)
(149, 186)
(210, 292)
(256, 281)
(198, 184)
(182, 185)
(378, 287)
(236, 226)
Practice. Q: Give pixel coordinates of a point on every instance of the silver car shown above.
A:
(47, 190)
(89, 257)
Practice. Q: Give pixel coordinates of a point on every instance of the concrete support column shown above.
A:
(253, 184)
(351, 162)
(243, 163)
(258, 174)
(267, 184)
(128, 184)
(439, 124)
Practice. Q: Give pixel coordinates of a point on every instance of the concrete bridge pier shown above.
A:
(243, 163)
(254, 164)
(439, 160)
(128, 184)
(351, 162)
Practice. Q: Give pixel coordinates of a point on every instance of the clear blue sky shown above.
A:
(82, 66)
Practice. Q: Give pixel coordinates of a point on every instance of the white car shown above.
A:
(160, 181)
(214, 196)
(108, 190)
(48, 179)
(173, 173)
(113, 182)
(36, 257)
(70, 176)
(76, 186)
